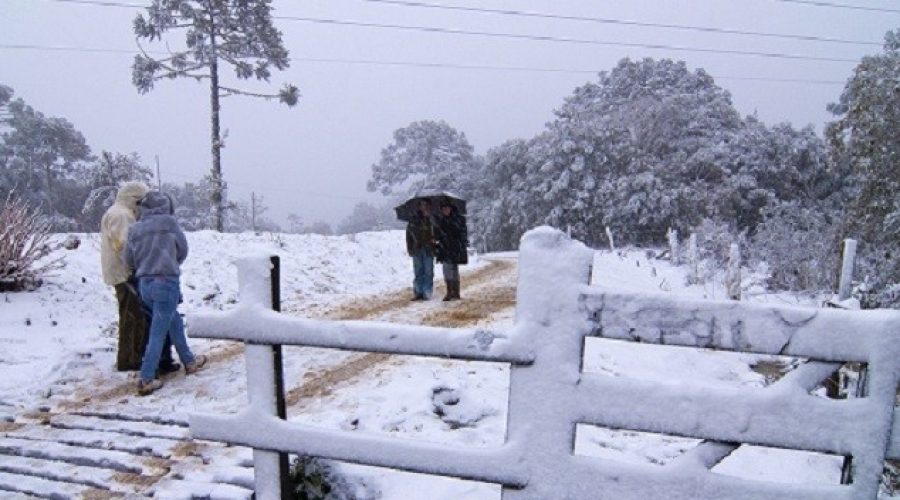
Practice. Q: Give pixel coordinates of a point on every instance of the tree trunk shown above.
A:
(217, 198)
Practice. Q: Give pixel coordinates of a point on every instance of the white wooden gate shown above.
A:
(550, 394)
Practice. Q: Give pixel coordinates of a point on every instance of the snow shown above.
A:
(66, 327)
(451, 416)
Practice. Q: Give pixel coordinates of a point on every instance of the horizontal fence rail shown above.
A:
(550, 395)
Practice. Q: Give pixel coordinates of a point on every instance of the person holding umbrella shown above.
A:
(420, 244)
(451, 248)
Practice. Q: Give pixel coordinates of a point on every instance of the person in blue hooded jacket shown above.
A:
(155, 249)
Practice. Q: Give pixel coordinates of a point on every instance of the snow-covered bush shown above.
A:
(714, 240)
(799, 247)
(317, 479)
(23, 245)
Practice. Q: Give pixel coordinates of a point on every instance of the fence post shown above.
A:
(847, 269)
(733, 273)
(693, 260)
(552, 271)
(265, 382)
(280, 405)
(673, 246)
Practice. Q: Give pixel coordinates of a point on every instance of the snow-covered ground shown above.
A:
(58, 348)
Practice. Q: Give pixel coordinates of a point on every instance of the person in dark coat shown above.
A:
(155, 249)
(452, 247)
(420, 244)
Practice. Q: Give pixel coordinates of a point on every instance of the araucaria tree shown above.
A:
(237, 33)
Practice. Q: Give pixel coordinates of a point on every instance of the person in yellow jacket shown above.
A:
(133, 320)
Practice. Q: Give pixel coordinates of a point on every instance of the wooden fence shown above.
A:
(550, 393)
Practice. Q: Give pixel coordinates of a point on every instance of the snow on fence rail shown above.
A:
(550, 395)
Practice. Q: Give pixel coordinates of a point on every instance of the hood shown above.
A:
(155, 203)
(130, 193)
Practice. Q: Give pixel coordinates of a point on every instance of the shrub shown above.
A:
(317, 479)
(23, 246)
(799, 247)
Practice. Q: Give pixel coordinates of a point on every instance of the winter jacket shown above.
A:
(156, 244)
(114, 232)
(452, 239)
(420, 234)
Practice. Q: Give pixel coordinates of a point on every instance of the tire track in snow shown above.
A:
(486, 291)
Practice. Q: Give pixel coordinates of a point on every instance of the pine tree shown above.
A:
(238, 33)
(424, 154)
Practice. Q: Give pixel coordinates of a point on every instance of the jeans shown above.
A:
(161, 296)
(423, 267)
(451, 271)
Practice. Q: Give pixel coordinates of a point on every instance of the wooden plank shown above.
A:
(106, 459)
(43, 487)
(129, 428)
(108, 440)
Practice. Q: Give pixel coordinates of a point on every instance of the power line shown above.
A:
(103, 3)
(517, 36)
(625, 22)
(817, 3)
(416, 64)
(581, 41)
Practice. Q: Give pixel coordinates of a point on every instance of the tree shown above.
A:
(424, 154)
(238, 33)
(192, 203)
(368, 217)
(864, 140)
(104, 178)
(295, 223)
(318, 227)
(40, 158)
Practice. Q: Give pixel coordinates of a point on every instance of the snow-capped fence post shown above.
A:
(693, 260)
(552, 270)
(849, 258)
(733, 273)
(259, 283)
(674, 251)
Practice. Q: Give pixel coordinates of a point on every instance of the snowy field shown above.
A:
(58, 350)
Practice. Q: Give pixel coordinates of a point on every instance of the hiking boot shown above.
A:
(416, 297)
(146, 387)
(196, 365)
(167, 369)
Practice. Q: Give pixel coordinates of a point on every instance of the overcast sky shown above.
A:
(314, 159)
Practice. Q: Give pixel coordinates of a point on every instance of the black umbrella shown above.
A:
(407, 209)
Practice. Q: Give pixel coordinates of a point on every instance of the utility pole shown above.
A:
(253, 211)
(158, 177)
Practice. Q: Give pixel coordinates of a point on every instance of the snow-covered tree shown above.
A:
(769, 166)
(237, 33)
(295, 223)
(104, 177)
(318, 227)
(41, 158)
(864, 139)
(192, 202)
(424, 154)
(797, 244)
(368, 217)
